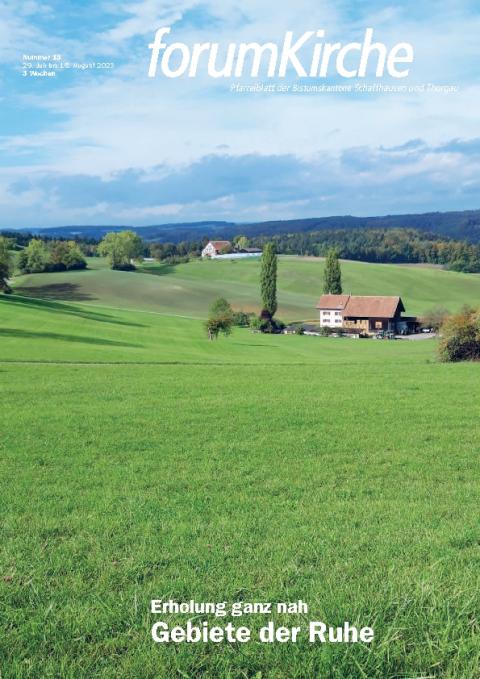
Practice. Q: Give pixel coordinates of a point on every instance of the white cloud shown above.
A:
(123, 120)
(142, 19)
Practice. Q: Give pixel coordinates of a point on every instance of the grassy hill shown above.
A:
(189, 289)
(139, 461)
(50, 331)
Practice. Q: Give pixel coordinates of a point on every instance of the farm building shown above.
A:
(250, 251)
(364, 314)
(214, 250)
(215, 247)
(239, 255)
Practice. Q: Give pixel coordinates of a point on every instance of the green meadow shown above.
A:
(189, 289)
(140, 461)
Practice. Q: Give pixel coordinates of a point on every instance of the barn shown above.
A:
(366, 315)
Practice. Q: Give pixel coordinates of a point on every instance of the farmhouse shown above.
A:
(214, 250)
(215, 247)
(364, 314)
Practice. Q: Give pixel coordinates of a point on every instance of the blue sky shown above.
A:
(111, 147)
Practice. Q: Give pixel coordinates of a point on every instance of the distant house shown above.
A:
(215, 247)
(363, 314)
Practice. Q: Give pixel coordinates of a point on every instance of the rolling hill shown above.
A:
(189, 289)
(460, 225)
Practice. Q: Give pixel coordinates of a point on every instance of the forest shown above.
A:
(394, 246)
(397, 246)
(379, 245)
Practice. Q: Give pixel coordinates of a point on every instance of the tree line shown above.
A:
(383, 246)
(380, 245)
(40, 256)
(400, 246)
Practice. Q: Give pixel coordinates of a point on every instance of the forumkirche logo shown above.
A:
(307, 56)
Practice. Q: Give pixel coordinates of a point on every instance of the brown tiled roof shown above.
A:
(332, 302)
(376, 307)
(219, 244)
(362, 306)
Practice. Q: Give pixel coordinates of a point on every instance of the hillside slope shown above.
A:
(189, 289)
(60, 332)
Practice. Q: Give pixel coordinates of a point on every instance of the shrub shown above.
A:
(434, 318)
(255, 324)
(326, 331)
(5, 265)
(268, 324)
(217, 325)
(242, 319)
(460, 337)
(220, 319)
(176, 259)
(125, 266)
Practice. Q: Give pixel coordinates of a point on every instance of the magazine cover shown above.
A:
(239, 339)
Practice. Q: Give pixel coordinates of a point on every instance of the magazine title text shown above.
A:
(307, 56)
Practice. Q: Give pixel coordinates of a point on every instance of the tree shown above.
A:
(460, 337)
(58, 254)
(220, 307)
(36, 257)
(22, 261)
(121, 248)
(241, 242)
(242, 318)
(214, 326)
(268, 279)
(5, 264)
(332, 276)
(220, 319)
(74, 258)
(66, 255)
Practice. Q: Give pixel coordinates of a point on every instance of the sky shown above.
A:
(114, 147)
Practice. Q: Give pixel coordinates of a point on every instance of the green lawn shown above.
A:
(42, 330)
(138, 461)
(189, 289)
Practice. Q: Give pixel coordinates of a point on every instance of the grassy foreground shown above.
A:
(139, 461)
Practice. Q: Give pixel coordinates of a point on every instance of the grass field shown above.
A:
(139, 461)
(189, 289)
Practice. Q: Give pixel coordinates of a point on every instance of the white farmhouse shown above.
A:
(367, 315)
(215, 247)
(331, 310)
